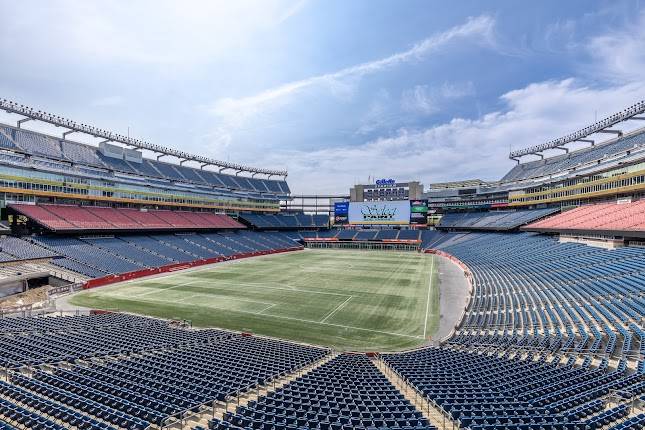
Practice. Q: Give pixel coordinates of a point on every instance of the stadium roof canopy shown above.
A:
(602, 126)
(74, 127)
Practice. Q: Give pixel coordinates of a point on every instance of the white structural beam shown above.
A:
(599, 127)
(58, 121)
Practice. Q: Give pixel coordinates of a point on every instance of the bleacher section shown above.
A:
(155, 372)
(562, 163)
(14, 249)
(602, 218)
(492, 221)
(346, 392)
(83, 218)
(534, 293)
(76, 158)
(150, 370)
(112, 371)
(97, 257)
(488, 392)
(285, 221)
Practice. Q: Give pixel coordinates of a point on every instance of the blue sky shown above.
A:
(334, 91)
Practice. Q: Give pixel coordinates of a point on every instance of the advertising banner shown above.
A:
(341, 210)
(418, 211)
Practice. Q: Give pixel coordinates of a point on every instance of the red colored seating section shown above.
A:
(63, 217)
(600, 217)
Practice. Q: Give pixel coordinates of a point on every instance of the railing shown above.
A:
(64, 289)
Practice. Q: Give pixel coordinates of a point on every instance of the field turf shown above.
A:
(346, 299)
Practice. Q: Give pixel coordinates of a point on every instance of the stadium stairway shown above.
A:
(430, 411)
(243, 399)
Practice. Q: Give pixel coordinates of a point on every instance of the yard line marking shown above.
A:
(339, 307)
(425, 325)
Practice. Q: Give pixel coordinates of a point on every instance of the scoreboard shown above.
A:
(380, 213)
(394, 212)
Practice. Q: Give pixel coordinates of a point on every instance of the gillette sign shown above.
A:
(385, 182)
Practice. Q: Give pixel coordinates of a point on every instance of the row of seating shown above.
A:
(63, 323)
(573, 159)
(498, 391)
(494, 220)
(67, 217)
(157, 372)
(347, 392)
(152, 387)
(47, 407)
(606, 217)
(14, 249)
(531, 291)
(47, 344)
(74, 155)
(100, 256)
(284, 221)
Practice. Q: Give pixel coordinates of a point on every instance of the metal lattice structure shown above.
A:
(602, 126)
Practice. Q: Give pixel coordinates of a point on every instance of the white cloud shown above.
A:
(423, 99)
(153, 32)
(234, 111)
(461, 148)
(419, 100)
(619, 54)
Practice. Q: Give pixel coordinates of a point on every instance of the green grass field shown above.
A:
(349, 300)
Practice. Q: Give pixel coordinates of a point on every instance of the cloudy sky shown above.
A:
(332, 90)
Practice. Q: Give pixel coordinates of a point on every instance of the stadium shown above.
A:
(145, 286)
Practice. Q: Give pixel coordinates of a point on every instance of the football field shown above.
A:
(346, 299)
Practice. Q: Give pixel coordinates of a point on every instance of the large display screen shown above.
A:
(387, 212)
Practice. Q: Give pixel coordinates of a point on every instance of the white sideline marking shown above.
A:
(339, 307)
(425, 325)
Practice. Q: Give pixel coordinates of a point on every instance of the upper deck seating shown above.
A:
(74, 218)
(606, 217)
(563, 162)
